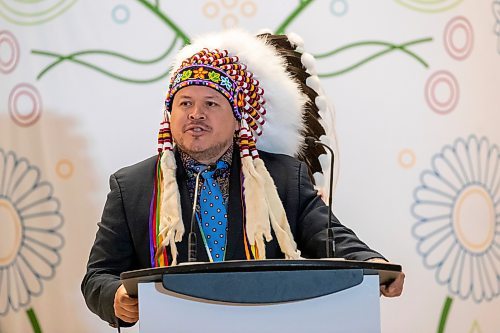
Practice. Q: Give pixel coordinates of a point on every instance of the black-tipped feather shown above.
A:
(313, 128)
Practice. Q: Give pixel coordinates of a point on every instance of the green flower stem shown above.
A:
(72, 58)
(357, 44)
(302, 5)
(114, 54)
(164, 18)
(390, 48)
(444, 314)
(34, 321)
(62, 58)
(153, 7)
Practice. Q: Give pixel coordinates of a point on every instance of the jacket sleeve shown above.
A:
(111, 254)
(313, 222)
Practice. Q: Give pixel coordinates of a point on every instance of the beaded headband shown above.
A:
(204, 75)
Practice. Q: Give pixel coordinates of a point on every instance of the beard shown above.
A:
(206, 155)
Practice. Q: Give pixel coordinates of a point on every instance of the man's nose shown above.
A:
(197, 113)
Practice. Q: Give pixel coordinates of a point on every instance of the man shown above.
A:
(225, 90)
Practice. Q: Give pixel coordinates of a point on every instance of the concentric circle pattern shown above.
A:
(459, 38)
(33, 12)
(442, 92)
(429, 6)
(25, 104)
(230, 10)
(9, 52)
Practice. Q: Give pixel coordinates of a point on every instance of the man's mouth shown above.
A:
(195, 128)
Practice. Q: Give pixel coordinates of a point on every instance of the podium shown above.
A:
(290, 296)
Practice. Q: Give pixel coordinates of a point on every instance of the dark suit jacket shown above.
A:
(122, 240)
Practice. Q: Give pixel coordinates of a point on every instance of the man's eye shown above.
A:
(185, 103)
(211, 103)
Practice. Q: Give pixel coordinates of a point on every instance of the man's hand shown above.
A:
(126, 307)
(395, 288)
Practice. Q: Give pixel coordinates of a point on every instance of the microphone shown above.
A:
(330, 242)
(192, 240)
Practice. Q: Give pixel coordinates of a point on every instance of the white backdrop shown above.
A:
(415, 86)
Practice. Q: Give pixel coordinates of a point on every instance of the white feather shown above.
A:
(264, 31)
(295, 40)
(314, 83)
(309, 63)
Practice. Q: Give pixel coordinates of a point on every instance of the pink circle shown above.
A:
(436, 79)
(434, 87)
(8, 38)
(25, 90)
(468, 42)
(457, 52)
(12, 59)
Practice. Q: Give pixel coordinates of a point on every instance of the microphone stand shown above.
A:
(329, 231)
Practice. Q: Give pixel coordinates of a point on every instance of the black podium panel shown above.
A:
(262, 286)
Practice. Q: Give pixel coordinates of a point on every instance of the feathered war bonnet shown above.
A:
(268, 104)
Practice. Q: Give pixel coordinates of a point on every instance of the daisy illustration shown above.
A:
(457, 207)
(29, 237)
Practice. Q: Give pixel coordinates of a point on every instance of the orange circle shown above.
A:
(211, 10)
(230, 21)
(407, 158)
(231, 4)
(462, 235)
(248, 8)
(65, 168)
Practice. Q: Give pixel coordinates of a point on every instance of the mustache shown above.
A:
(196, 123)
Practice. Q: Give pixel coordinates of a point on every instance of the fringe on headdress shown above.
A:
(165, 216)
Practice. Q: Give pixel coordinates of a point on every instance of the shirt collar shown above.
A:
(188, 161)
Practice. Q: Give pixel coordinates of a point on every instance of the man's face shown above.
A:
(202, 123)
